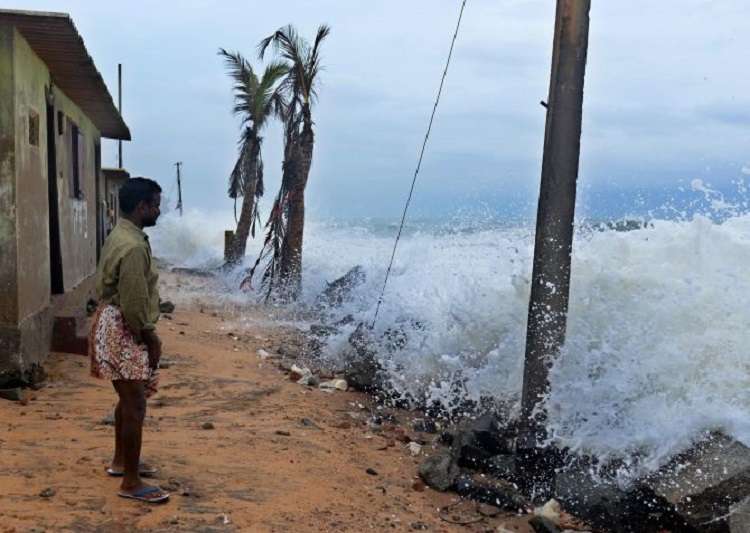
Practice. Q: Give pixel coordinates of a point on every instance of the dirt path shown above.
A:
(280, 457)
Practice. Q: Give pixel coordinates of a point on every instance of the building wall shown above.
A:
(26, 315)
(10, 357)
(8, 266)
(32, 204)
(77, 215)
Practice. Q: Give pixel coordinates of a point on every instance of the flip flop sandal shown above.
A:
(142, 495)
(143, 470)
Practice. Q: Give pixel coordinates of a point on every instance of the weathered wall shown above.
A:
(77, 215)
(32, 207)
(9, 335)
(8, 291)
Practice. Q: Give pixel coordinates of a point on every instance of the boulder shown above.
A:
(706, 482)
(439, 471)
(495, 492)
(476, 442)
(338, 291)
(609, 507)
(361, 368)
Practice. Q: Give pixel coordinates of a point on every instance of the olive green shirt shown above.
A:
(127, 278)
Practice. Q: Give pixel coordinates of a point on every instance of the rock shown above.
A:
(541, 524)
(334, 384)
(297, 372)
(283, 433)
(338, 291)
(372, 472)
(323, 331)
(550, 511)
(414, 449)
(502, 466)
(606, 506)
(47, 493)
(739, 519)
(439, 471)
(266, 355)
(475, 442)
(286, 364)
(307, 423)
(488, 510)
(207, 425)
(706, 481)
(418, 485)
(424, 425)
(166, 307)
(419, 526)
(108, 420)
(361, 368)
(15, 394)
(495, 492)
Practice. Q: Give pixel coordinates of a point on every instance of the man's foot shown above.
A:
(144, 469)
(145, 493)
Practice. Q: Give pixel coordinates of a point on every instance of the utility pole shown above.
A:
(550, 281)
(179, 187)
(119, 108)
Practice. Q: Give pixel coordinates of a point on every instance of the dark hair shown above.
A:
(135, 191)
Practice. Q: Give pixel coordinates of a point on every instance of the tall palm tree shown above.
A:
(299, 85)
(255, 101)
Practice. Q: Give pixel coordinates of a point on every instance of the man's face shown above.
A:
(151, 211)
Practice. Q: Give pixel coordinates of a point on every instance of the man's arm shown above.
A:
(134, 301)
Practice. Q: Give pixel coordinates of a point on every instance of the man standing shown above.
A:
(123, 343)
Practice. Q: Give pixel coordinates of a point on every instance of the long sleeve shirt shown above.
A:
(127, 278)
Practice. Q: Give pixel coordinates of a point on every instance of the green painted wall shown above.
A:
(8, 292)
(32, 204)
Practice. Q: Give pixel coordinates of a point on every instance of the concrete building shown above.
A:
(54, 111)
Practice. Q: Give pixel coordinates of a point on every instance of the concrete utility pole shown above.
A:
(179, 187)
(548, 306)
(119, 108)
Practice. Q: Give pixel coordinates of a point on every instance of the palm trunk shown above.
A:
(291, 259)
(239, 242)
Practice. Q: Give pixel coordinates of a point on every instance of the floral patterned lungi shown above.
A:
(115, 354)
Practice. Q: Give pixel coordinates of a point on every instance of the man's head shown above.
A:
(140, 199)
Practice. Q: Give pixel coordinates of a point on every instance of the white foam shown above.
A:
(657, 347)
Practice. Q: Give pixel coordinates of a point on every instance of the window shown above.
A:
(77, 158)
(33, 128)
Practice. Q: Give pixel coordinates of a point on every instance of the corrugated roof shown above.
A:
(55, 39)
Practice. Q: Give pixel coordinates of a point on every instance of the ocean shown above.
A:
(658, 333)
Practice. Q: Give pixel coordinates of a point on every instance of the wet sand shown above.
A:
(280, 456)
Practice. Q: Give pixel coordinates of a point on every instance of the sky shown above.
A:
(667, 98)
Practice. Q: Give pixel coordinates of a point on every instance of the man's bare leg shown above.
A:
(118, 462)
(132, 412)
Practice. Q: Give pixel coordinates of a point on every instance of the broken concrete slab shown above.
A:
(609, 507)
(705, 482)
(739, 517)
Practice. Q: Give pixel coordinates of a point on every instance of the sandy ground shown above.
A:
(280, 456)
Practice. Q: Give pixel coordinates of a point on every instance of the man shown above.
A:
(123, 343)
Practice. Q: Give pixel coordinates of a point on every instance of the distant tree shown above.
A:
(287, 221)
(255, 102)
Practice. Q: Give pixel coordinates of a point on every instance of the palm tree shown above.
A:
(255, 101)
(299, 85)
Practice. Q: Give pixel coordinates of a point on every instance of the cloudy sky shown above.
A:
(667, 97)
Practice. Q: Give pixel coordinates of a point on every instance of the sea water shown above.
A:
(658, 333)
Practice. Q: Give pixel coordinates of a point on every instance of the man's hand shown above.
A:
(153, 345)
